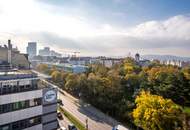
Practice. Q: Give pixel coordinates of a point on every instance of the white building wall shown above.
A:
(10, 98)
(9, 117)
(36, 127)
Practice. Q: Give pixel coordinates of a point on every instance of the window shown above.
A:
(20, 105)
(6, 108)
(32, 103)
(23, 104)
(16, 126)
(35, 121)
(16, 106)
(5, 127)
(23, 124)
(21, 88)
(38, 101)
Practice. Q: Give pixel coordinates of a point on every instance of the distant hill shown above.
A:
(165, 57)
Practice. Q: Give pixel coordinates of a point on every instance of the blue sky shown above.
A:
(126, 12)
(99, 27)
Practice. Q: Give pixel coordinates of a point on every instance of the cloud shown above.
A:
(25, 21)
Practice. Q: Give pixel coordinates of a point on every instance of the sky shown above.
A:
(98, 27)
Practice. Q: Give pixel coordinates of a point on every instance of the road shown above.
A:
(64, 123)
(82, 111)
(85, 112)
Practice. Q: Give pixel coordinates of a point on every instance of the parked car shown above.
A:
(59, 115)
(72, 127)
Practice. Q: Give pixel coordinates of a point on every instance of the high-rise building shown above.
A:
(32, 49)
(27, 101)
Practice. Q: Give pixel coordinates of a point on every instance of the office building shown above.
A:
(27, 101)
(47, 52)
(32, 49)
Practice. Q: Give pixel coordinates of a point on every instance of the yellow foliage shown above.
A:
(156, 113)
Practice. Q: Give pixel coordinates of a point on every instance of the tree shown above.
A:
(72, 83)
(56, 76)
(156, 113)
(186, 72)
(42, 68)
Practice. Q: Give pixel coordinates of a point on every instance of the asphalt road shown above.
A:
(85, 112)
(82, 111)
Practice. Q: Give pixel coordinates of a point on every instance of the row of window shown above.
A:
(8, 89)
(22, 124)
(20, 105)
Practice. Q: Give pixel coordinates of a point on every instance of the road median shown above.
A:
(72, 119)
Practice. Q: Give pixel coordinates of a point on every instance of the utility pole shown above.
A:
(87, 123)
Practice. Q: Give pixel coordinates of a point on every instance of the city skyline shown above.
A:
(148, 27)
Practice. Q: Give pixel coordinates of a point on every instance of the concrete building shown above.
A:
(27, 102)
(32, 49)
(106, 61)
(141, 61)
(47, 52)
(44, 52)
(10, 55)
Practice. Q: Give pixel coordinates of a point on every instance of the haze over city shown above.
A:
(99, 27)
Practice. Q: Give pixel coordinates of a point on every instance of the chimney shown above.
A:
(9, 45)
(9, 51)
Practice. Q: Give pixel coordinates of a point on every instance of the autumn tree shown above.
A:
(156, 113)
(56, 76)
(42, 68)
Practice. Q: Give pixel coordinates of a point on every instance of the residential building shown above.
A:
(32, 49)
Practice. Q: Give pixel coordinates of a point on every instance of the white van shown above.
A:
(119, 127)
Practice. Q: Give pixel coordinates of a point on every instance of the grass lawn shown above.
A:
(72, 119)
(187, 110)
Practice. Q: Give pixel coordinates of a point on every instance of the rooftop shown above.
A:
(16, 74)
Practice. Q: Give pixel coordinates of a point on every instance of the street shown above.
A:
(85, 112)
(96, 119)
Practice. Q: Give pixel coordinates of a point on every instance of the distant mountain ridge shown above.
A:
(165, 57)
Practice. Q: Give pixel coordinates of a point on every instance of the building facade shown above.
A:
(27, 102)
(47, 52)
(32, 49)
(12, 56)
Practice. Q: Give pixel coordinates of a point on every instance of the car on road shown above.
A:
(119, 127)
(72, 127)
(62, 128)
(59, 101)
(59, 115)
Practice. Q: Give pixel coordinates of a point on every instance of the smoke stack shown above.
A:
(9, 51)
(9, 45)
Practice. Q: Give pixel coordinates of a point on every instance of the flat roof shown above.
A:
(16, 74)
